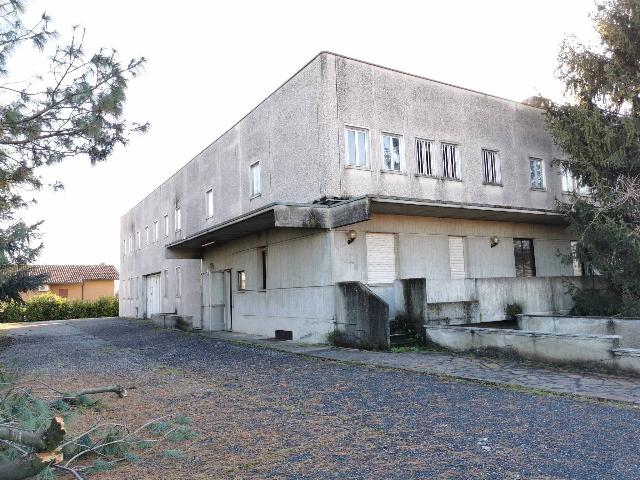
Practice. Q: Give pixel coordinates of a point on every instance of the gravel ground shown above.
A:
(266, 414)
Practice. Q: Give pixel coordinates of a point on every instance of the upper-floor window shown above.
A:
(450, 161)
(155, 231)
(255, 179)
(138, 240)
(490, 167)
(536, 173)
(570, 184)
(130, 243)
(242, 280)
(166, 225)
(356, 146)
(391, 152)
(209, 202)
(178, 219)
(146, 236)
(424, 154)
(124, 246)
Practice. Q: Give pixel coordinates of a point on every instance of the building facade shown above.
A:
(76, 282)
(352, 172)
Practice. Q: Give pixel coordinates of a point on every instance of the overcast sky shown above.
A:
(209, 63)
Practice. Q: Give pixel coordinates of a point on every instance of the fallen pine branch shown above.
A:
(41, 441)
(76, 398)
(29, 466)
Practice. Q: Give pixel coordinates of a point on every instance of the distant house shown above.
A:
(81, 282)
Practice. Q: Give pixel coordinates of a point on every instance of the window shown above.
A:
(391, 157)
(124, 247)
(155, 231)
(450, 161)
(423, 157)
(43, 288)
(63, 292)
(138, 240)
(262, 267)
(255, 179)
(356, 146)
(209, 201)
(491, 167)
(166, 225)
(178, 219)
(242, 280)
(165, 289)
(570, 184)
(456, 257)
(146, 236)
(536, 173)
(577, 266)
(178, 282)
(130, 243)
(525, 258)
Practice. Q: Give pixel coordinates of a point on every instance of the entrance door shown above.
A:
(152, 294)
(213, 301)
(228, 301)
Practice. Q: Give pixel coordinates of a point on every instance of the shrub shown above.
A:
(512, 310)
(52, 307)
(12, 311)
(46, 307)
(337, 338)
(594, 303)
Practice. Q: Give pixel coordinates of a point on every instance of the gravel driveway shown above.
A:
(267, 414)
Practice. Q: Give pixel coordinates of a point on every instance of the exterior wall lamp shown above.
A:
(493, 241)
(351, 236)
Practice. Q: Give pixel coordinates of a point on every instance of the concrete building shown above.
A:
(417, 195)
(76, 282)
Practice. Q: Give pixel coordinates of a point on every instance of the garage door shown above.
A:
(381, 258)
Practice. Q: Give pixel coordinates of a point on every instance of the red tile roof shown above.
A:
(76, 273)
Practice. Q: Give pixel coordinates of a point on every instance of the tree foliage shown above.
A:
(600, 135)
(73, 108)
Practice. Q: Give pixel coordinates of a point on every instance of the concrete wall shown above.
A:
(300, 289)
(361, 315)
(384, 100)
(553, 347)
(94, 289)
(627, 328)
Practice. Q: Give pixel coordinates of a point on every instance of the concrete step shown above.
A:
(627, 359)
(402, 340)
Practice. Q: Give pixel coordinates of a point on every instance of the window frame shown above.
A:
(146, 235)
(458, 161)
(177, 219)
(166, 224)
(178, 270)
(533, 258)
(208, 199)
(543, 175)
(262, 268)
(400, 138)
(156, 232)
(497, 167)
(241, 279)
(367, 147)
(252, 185)
(138, 240)
(431, 143)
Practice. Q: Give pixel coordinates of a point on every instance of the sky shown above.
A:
(209, 63)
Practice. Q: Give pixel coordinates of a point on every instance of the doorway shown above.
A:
(152, 294)
(216, 300)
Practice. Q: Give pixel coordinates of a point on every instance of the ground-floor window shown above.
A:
(242, 280)
(456, 257)
(381, 258)
(524, 257)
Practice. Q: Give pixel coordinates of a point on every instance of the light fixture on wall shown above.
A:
(351, 236)
(493, 241)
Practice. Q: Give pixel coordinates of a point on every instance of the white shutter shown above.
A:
(456, 257)
(381, 258)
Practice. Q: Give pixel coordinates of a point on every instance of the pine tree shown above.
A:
(600, 136)
(74, 108)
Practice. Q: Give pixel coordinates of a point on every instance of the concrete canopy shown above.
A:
(348, 212)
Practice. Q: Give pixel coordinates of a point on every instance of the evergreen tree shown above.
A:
(74, 108)
(600, 137)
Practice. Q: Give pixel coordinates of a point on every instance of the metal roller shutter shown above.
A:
(381, 258)
(456, 257)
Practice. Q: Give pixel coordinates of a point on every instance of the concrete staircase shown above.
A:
(401, 334)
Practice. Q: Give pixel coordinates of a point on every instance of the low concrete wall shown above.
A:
(361, 315)
(627, 328)
(551, 347)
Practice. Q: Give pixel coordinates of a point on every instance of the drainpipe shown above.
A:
(82, 291)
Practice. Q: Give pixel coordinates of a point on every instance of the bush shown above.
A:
(52, 307)
(12, 311)
(597, 303)
(512, 311)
